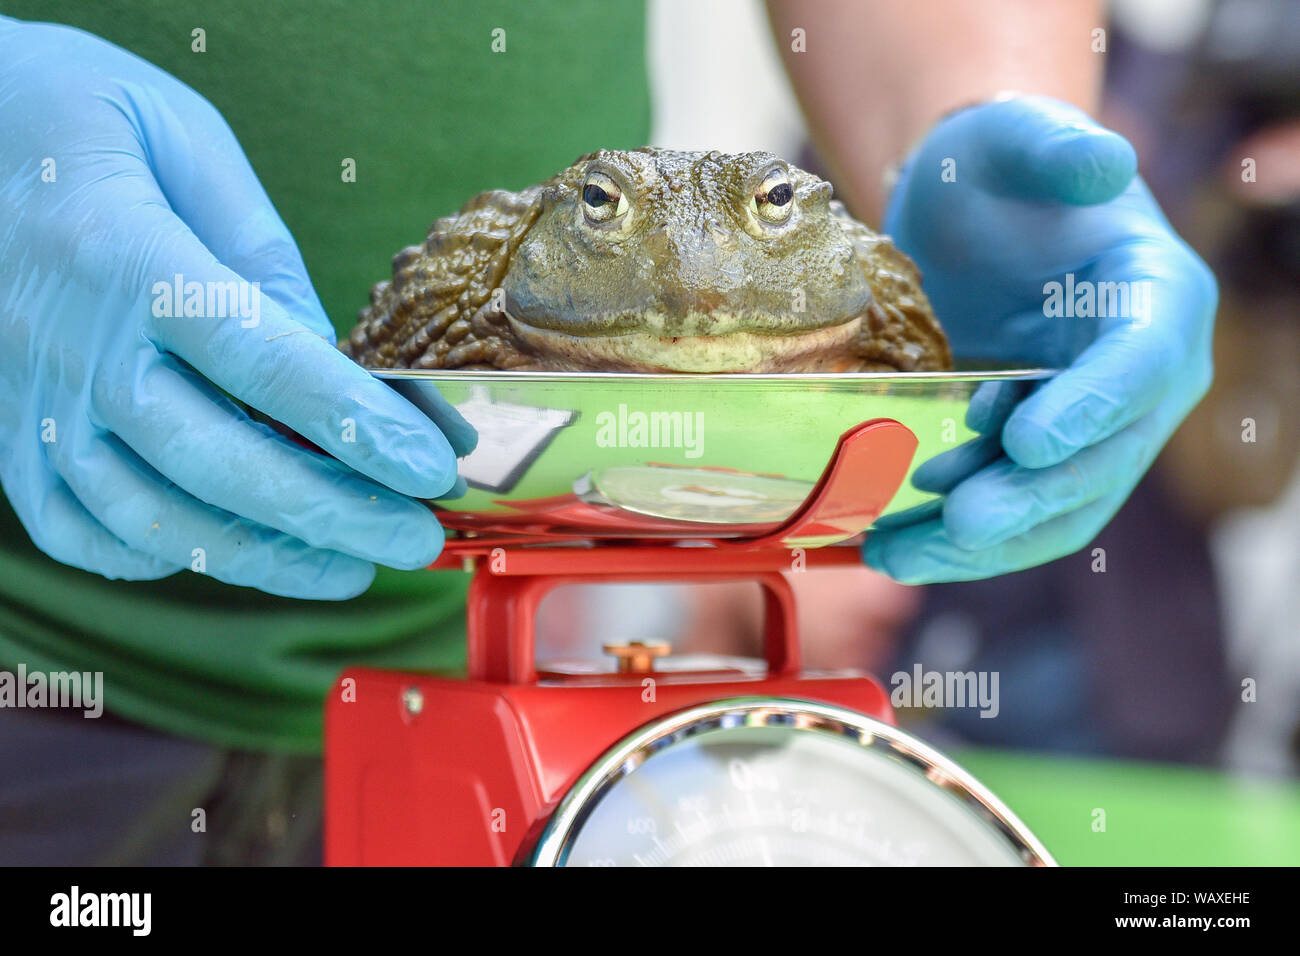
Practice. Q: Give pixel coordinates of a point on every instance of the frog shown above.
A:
(654, 261)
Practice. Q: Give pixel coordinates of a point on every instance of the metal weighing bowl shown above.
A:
(718, 452)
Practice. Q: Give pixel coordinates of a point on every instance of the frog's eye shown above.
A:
(602, 200)
(774, 198)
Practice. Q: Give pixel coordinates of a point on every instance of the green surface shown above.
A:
(1154, 815)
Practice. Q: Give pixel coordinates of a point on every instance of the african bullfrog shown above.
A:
(654, 260)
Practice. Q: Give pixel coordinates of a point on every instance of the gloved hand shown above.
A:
(1041, 193)
(118, 450)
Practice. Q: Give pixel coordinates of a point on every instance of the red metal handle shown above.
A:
(509, 586)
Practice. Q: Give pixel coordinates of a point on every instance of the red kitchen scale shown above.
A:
(651, 764)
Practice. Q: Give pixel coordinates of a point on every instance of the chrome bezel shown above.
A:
(557, 837)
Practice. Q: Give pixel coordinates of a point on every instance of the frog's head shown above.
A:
(686, 261)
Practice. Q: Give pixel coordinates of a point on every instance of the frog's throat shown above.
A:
(831, 348)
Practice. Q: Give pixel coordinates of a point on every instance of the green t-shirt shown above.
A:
(432, 114)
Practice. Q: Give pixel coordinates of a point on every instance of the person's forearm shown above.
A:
(876, 74)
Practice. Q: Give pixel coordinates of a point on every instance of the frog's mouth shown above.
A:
(829, 348)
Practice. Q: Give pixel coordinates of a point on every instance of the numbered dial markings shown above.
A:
(780, 784)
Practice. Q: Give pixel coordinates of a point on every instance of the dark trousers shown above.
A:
(77, 791)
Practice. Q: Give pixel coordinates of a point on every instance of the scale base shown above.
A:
(427, 771)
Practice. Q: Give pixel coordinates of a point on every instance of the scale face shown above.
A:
(780, 782)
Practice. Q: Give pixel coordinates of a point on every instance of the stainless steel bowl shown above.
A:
(724, 454)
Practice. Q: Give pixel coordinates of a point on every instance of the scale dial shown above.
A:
(777, 782)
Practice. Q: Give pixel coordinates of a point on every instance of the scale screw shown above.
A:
(413, 700)
(636, 657)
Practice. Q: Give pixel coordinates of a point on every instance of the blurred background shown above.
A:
(1199, 612)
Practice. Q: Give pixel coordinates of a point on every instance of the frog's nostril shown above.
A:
(657, 244)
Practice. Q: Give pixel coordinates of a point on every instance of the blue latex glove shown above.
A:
(118, 450)
(1040, 192)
